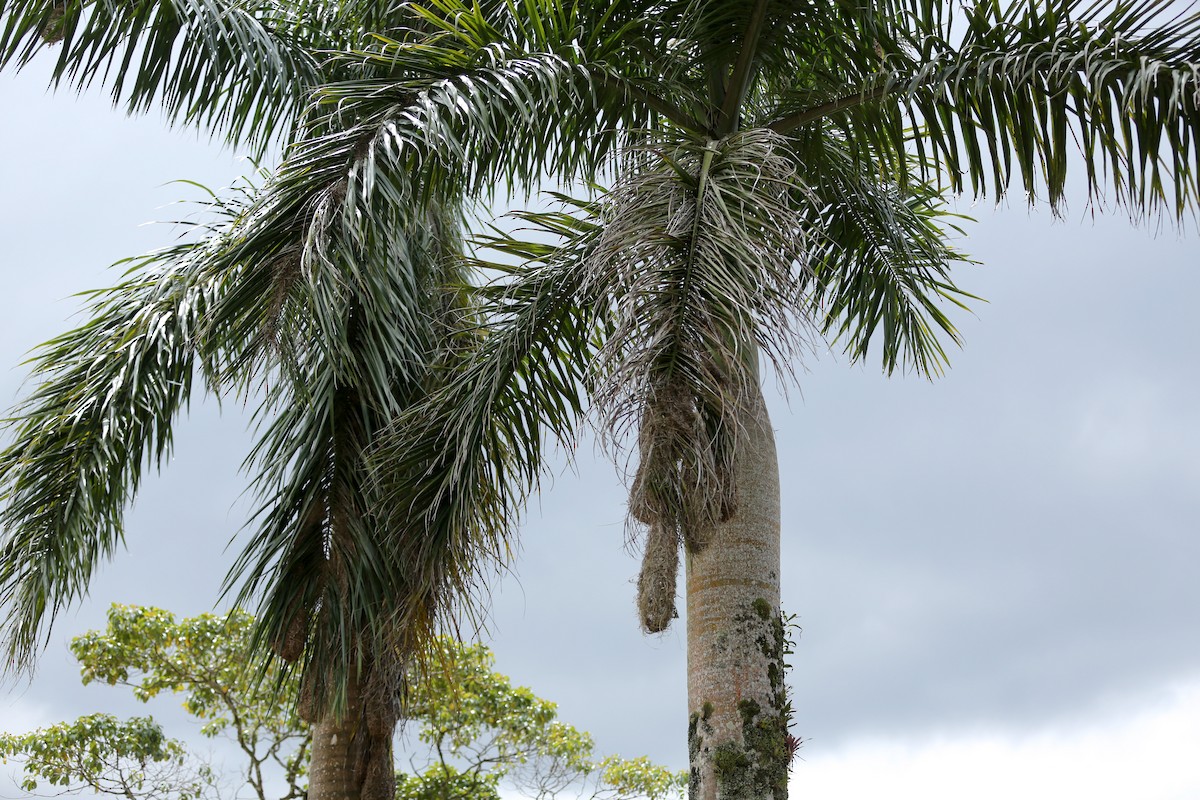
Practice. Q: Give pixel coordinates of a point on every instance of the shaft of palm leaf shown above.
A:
(736, 698)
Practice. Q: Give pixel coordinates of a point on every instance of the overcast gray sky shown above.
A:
(997, 573)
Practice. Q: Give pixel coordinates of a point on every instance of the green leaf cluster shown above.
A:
(478, 731)
(482, 732)
(131, 758)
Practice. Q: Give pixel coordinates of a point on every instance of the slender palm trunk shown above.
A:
(350, 761)
(738, 720)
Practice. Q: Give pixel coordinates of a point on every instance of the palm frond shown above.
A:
(102, 411)
(333, 328)
(455, 469)
(480, 105)
(880, 260)
(236, 69)
(1005, 92)
(318, 564)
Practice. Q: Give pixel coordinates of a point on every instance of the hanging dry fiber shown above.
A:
(684, 479)
(656, 583)
(306, 706)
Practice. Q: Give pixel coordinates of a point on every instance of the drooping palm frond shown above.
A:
(333, 328)
(319, 564)
(879, 259)
(455, 469)
(235, 69)
(340, 345)
(106, 395)
(1004, 92)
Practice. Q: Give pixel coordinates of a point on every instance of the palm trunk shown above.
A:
(352, 758)
(738, 706)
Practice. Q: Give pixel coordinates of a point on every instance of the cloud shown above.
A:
(21, 715)
(1135, 427)
(1148, 754)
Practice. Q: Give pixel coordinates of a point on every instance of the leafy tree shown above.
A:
(204, 658)
(477, 731)
(128, 758)
(776, 173)
(481, 732)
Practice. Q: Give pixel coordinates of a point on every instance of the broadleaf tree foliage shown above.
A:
(775, 174)
(472, 732)
(129, 758)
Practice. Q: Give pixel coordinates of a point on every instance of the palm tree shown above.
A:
(776, 171)
(331, 356)
(272, 303)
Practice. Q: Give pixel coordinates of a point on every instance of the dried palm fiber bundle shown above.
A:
(306, 707)
(656, 582)
(703, 242)
(670, 497)
(291, 647)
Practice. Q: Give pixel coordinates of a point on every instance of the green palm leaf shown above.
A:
(107, 394)
(1006, 92)
(880, 260)
(454, 469)
(238, 69)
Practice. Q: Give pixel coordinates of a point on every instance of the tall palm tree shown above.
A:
(332, 327)
(331, 355)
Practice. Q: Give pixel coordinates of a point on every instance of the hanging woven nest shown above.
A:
(54, 29)
(656, 583)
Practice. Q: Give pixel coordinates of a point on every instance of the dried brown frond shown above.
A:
(702, 257)
(676, 450)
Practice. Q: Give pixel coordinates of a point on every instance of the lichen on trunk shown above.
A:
(755, 765)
